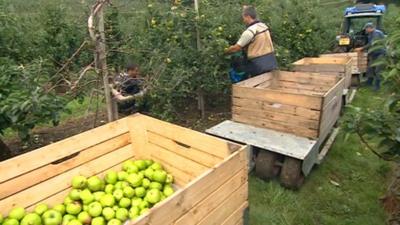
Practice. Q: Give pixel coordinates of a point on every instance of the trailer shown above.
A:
(288, 118)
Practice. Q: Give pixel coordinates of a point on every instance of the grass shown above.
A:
(361, 175)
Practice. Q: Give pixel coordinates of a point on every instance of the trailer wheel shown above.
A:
(267, 165)
(291, 174)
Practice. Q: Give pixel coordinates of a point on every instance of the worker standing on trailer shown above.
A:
(373, 71)
(256, 43)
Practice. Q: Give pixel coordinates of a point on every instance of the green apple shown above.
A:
(10, 221)
(95, 209)
(40, 209)
(140, 192)
(74, 208)
(122, 214)
(168, 191)
(156, 185)
(124, 203)
(141, 173)
(148, 173)
(79, 182)
(153, 196)
(148, 162)
(160, 176)
(124, 184)
(17, 213)
(60, 208)
(134, 212)
(122, 175)
(170, 179)
(146, 183)
(107, 200)
(109, 189)
(31, 219)
(85, 208)
(68, 200)
(156, 166)
(162, 197)
(111, 177)
(94, 183)
(67, 218)
(86, 196)
(136, 202)
(126, 164)
(144, 211)
(98, 221)
(84, 218)
(114, 222)
(140, 164)
(74, 222)
(97, 195)
(74, 194)
(135, 179)
(129, 192)
(132, 169)
(52, 217)
(118, 194)
(1, 218)
(115, 207)
(144, 204)
(108, 213)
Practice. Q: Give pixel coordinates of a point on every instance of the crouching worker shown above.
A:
(127, 89)
(257, 45)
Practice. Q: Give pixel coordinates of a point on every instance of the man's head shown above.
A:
(249, 14)
(369, 27)
(132, 70)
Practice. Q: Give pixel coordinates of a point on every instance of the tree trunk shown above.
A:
(200, 94)
(5, 151)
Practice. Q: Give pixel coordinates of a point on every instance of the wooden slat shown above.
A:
(206, 206)
(311, 102)
(186, 165)
(193, 154)
(39, 175)
(183, 200)
(255, 80)
(279, 108)
(334, 91)
(307, 78)
(27, 162)
(203, 142)
(288, 128)
(237, 217)
(138, 132)
(278, 117)
(299, 91)
(227, 208)
(62, 181)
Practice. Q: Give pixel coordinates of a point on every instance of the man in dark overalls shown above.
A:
(257, 43)
(374, 71)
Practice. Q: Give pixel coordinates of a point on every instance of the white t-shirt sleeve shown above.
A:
(246, 38)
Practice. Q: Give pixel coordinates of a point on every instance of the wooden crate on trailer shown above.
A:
(359, 60)
(327, 66)
(304, 104)
(210, 173)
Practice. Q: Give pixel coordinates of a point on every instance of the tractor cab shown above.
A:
(353, 33)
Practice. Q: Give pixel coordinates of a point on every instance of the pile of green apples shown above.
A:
(118, 197)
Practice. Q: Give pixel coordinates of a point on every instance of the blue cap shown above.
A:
(369, 25)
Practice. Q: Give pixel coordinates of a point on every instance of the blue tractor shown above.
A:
(353, 35)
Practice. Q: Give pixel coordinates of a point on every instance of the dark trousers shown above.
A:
(262, 64)
(374, 72)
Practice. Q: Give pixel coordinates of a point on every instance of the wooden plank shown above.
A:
(299, 91)
(336, 90)
(39, 175)
(193, 154)
(183, 200)
(186, 165)
(62, 181)
(252, 82)
(319, 68)
(304, 86)
(59, 197)
(194, 139)
(328, 145)
(279, 117)
(138, 131)
(227, 208)
(306, 78)
(206, 206)
(30, 161)
(311, 102)
(271, 107)
(288, 128)
(237, 217)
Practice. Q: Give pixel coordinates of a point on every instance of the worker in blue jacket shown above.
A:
(374, 71)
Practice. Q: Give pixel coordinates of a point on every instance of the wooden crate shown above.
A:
(304, 104)
(327, 66)
(359, 60)
(210, 173)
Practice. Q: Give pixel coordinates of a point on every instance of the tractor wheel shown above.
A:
(267, 165)
(356, 80)
(291, 174)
